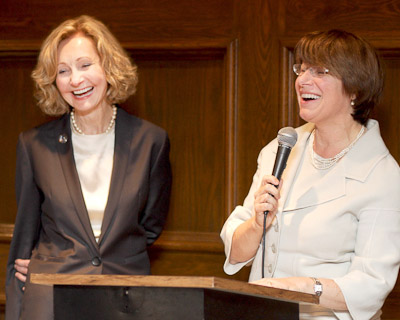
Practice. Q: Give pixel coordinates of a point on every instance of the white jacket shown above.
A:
(345, 227)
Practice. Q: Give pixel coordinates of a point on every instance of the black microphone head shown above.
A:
(287, 136)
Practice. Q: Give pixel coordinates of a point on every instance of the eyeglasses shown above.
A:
(314, 71)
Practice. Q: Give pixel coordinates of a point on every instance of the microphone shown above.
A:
(287, 138)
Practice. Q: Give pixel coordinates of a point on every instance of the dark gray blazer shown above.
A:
(52, 227)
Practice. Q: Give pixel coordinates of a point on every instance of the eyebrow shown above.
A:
(79, 59)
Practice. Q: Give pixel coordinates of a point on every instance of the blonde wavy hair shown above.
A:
(121, 73)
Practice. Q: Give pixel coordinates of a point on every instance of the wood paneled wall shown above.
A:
(216, 74)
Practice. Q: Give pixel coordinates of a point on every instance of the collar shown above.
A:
(356, 165)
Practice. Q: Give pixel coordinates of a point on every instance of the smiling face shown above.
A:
(322, 98)
(81, 79)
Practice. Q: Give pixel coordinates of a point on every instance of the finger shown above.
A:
(270, 199)
(20, 276)
(23, 262)
(271, 189)
(262, 193)
(270, 179)
(20, 269)
(260, 216)
(260, 208)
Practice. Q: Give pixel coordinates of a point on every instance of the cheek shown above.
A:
(61, 85)
(297, 86)
(101, 79)
(63, 90)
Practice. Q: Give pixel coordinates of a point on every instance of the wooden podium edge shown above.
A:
(214, 283)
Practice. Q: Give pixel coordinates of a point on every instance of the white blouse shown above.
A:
(94, 162)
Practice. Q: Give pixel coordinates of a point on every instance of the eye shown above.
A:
(86, 65)
(62, 71)
(319, 71)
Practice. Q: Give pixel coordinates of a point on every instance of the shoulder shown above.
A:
(370, 155)
(48, 129)
(140, 126)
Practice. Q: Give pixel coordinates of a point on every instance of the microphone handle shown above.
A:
(280, 163)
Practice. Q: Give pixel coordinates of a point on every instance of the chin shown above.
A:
(303, 115)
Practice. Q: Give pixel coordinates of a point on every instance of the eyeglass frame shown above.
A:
(315, 71)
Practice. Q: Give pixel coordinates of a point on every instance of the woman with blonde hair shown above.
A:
(93, 186)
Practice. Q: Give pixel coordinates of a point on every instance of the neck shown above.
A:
(329, 141)
(95, 122)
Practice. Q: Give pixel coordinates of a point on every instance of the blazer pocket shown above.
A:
(43, 257)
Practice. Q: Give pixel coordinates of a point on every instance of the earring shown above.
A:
(352, 103)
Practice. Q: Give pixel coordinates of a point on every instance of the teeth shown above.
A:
(83, 91)
(309, 96)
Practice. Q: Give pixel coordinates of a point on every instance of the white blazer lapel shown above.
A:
(293, 162)
(330, 187)
(356, 165)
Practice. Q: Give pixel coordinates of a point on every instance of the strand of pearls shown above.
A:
(323, 163)
(110, 125)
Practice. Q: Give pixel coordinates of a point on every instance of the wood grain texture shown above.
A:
(369, 18)
(216, 74)
(190, 105)
(142, 21)
(259, 106)
(167, 282)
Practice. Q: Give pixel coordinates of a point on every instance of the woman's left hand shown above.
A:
(21, 266)
(332, 297)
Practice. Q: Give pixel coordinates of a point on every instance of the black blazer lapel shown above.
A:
(65, 153)
(122, 148)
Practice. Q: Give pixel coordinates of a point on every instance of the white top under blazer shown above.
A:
(93, 156)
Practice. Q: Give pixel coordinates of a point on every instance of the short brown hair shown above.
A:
(121, 73)
(349, 58)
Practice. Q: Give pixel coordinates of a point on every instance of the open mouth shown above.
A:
(309, 96)
(83, 92)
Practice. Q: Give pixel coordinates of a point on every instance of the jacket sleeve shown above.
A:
(244, 212)
(375, 266)
(26, 227)
(155, 212)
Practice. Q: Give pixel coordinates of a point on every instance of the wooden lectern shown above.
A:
(115, 297)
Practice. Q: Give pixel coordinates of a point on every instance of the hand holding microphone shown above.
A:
(266, 198)
(269, 192)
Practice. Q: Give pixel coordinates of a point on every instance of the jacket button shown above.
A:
(273, 248)
(96, 261)
(63, 138)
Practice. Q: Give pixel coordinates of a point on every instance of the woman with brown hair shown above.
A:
(93, 186)
(333, 223)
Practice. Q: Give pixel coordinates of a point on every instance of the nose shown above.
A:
(304, 78)
(76, 78)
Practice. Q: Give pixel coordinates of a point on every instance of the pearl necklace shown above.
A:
(323, 163)
(110, 125)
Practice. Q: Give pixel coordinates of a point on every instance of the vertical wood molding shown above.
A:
(289, 110)
(231, 127)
